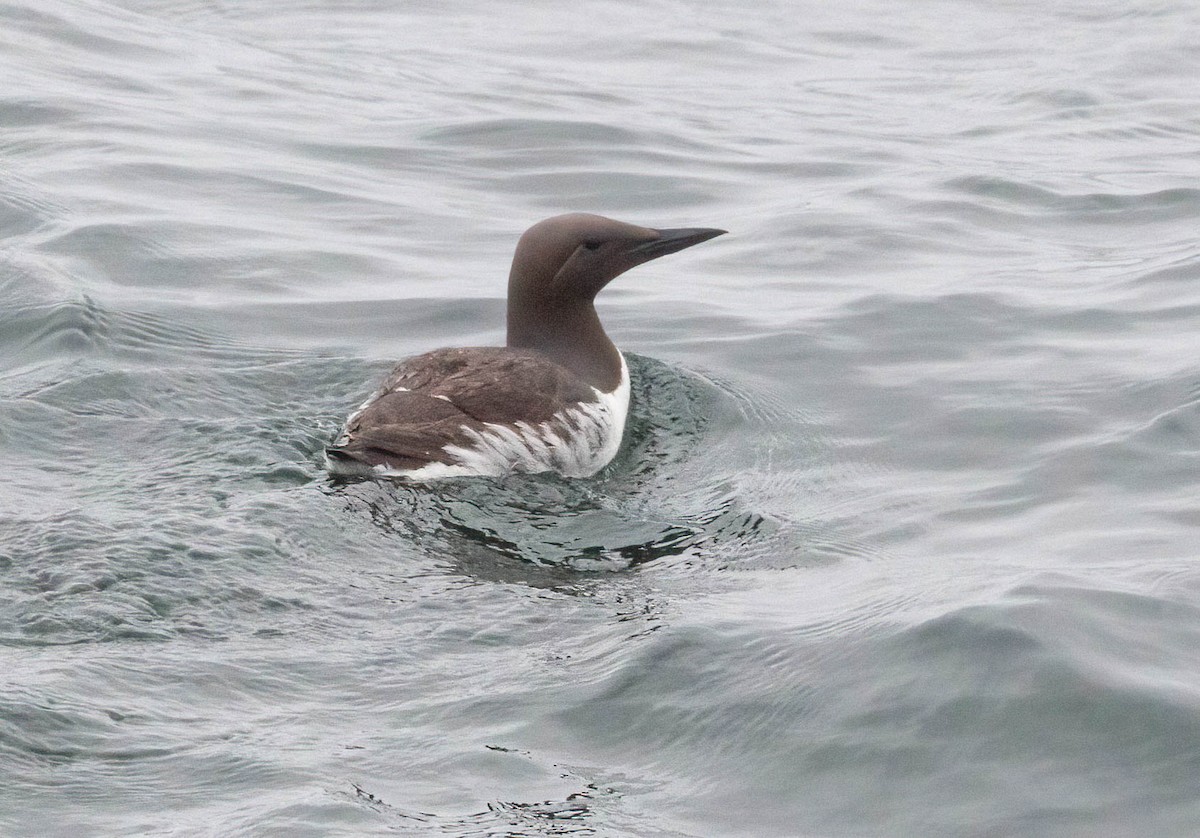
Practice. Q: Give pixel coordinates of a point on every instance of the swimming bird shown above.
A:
(554, 398)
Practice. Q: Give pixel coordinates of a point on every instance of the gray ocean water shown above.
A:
(904, 536)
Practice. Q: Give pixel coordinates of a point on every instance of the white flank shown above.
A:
(577, 442)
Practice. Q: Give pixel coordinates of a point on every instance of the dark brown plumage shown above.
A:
(541, 402)
(432, 400)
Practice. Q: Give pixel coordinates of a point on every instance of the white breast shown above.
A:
(576, 442)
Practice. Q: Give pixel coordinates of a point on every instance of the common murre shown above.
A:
(553, 399)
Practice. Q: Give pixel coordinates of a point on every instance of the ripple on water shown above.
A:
(1094, 207)
(674, 493)
(1048, 694)
(591, 800)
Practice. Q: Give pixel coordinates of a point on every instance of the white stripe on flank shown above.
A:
(577, 442)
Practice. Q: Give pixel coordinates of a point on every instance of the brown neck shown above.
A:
(569, 334)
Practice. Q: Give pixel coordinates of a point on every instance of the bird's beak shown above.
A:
(673, 241)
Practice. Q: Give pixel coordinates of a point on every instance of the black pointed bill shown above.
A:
(674, 240)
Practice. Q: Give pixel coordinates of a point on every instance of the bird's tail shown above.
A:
(342, 461)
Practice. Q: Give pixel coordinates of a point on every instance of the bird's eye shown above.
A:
(592, 245)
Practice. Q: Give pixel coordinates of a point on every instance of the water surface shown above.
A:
(903, 536)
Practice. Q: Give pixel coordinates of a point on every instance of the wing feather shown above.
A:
(446, 397)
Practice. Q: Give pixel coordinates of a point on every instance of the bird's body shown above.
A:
(484, 411)
(554, 399)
